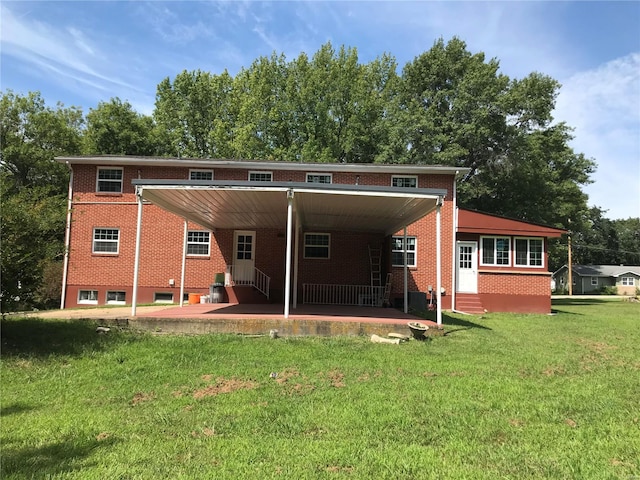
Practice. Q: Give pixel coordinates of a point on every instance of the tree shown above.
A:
(115, 128)
(33, 188)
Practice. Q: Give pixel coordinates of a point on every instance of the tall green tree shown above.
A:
(33, 189)
(114, 127)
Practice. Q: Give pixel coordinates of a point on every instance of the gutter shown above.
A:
(67, 239)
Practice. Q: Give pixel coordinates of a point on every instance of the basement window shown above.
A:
(116, 297)
(88, 297)
(163, 297)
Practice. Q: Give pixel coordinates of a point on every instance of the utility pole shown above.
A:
(570, 269)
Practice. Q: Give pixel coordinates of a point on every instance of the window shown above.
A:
(260, 176)
(109, 180)
(628, 281)
(317, 245)
(529, 252)
(163, 297)
(594, 281)
(88, 296)
(116, 298)
(397, 251)
(106, 240)
(410, 181)
(200, 174)
(495, 251)
(319, 178)
(197, 243)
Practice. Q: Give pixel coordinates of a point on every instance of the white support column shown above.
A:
(454, 246)
(287, 277)
(438, 265)
(184, 263)
(136, 263)
(406, 272)
(296, 256)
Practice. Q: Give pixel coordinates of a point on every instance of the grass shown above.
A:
(502, 396)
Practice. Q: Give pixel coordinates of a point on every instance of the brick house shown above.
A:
(145, 230)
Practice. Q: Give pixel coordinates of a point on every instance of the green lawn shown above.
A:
(502, 396)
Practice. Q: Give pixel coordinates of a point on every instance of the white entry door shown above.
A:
(244, 249)
(467, 270)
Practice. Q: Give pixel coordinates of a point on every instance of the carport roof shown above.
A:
(250, 205)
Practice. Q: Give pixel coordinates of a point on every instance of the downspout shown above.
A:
(67, 239)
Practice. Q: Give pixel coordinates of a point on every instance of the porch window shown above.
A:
(260, 176)
(397, 251)
(529, 252)
(106, 240)
(195, 174)
(628, 281)
(117, 298)
(410, 181)
(319, 178)
(88, 297)
(317, 245)
(198, 243)
(109, 180)
(496, 251)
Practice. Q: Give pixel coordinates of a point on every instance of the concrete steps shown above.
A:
(469, 303)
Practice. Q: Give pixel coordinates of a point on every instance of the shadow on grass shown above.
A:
(461, 323)
(584, 301)
(18, 407)
(51, 459)
(33, 337)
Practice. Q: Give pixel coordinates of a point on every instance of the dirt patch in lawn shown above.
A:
(142, 397)
(225, 385)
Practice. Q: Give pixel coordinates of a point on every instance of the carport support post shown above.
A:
(287, 279)
(295, 263)
(136, 262)
(406, 271)
(184, 263)
(438, 265)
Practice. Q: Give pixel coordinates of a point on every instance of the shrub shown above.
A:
(609, 290)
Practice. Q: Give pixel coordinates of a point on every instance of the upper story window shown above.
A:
(409, 181)
(397, 252)
(195, 174)
(109, 180)
(106, 240)
(198, 242)
(529, 252)
(319, 178)
(260, 176)
(496, 251)
(317, 245)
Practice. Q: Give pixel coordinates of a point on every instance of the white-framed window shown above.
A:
(529, 252)
(407, 181)
(198, 242)
(319, 178)
(106, 240)
(88, 297)
(495, 251)
(109, 179)
(594, 281)
(200, 174)
(317, 245)
(259, 176)
(628, 281)
(116, 297)
(163, 297)
(397, 251)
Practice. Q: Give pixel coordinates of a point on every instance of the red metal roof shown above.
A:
(486, 224)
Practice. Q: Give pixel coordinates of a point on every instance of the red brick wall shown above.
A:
(162, 241)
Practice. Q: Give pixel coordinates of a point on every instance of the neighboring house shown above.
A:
(502, 264)
(590, 279)
(143, 230)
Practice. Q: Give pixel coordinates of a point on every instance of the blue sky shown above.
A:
(81, 53)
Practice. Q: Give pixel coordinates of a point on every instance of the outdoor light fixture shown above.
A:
(172, 282)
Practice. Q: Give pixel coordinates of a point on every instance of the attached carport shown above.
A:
(305, 206)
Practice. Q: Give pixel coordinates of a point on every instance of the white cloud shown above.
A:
(603, 105)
